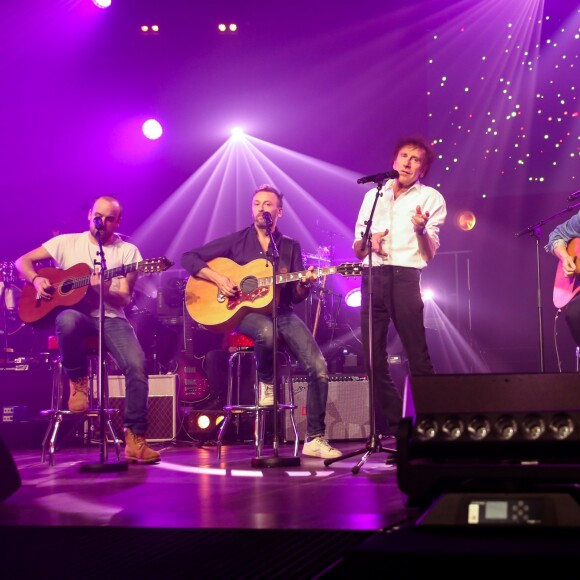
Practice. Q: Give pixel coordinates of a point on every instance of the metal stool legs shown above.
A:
(56, 414)
(234, 407)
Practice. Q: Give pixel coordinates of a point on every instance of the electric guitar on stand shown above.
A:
(192, 383)
(219, 313)
(566, 287)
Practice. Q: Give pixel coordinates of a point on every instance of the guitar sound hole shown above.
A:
(66, 286)
(249, 284)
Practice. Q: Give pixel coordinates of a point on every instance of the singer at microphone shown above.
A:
(267, 217)
(379, 177)
(574, 196)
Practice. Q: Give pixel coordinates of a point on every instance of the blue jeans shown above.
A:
(397, 299)
(301, 344)
(72, 327)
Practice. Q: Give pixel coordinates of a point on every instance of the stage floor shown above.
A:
(204, 508)
(193, 515)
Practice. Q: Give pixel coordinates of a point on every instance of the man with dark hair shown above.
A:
(243, 247)
(404, 238)
(74, 324)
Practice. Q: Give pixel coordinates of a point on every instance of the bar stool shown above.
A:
(244, 347)
(59, 408)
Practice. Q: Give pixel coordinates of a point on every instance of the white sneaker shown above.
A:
(320, 447)
(266, 395)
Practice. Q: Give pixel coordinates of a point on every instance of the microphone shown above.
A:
(392, 174)
(267, 217)
(99, 225)
(574, 195)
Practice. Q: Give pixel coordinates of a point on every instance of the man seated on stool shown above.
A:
(74, 324)
(250, 244)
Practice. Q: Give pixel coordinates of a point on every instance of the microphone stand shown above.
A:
(536, 232)
(276, 460)
(102, 382)
(373, 444)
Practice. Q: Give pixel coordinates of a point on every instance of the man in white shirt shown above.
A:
(404, 238)
(74, 323)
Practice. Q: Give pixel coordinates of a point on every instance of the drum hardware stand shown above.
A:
(373, 444)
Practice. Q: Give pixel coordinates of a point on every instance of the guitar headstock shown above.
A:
(350, 269)
(154, 265)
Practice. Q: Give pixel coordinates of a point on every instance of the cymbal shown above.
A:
(314, 258)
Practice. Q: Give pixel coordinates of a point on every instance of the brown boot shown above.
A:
(137, 450)
(78, 401)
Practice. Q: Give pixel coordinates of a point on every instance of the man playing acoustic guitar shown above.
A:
(73, 323)
(244, 247)
(564, 243)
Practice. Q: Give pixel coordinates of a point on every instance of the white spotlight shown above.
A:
(237, 133)
(102, 3)
(152, 129)
(353, 298)
(428, 294)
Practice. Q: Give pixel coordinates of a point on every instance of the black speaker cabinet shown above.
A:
(491, 393)
(24, 392)
(9, 477)
(30, 388)
(496, 433)
(161, 406)
(347, 409)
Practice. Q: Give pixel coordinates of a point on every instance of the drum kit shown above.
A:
(322, 305)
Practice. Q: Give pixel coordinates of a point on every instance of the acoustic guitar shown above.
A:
(219, 313)
(565, 288)
(70, 286)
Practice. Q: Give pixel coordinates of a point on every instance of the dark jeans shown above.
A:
(301, 344)
(396, 298)
(572, 316)
(72, 327)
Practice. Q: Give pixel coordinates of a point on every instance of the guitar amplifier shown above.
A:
(347, 408)
(161, 406)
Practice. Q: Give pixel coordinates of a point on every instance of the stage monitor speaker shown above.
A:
(347, 408)
(488, 432)
(161, 406)
(9, 477)
(491, 393)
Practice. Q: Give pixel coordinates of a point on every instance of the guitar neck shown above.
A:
(108, 275)
(294, 276)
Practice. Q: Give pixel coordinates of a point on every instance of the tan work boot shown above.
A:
(137, 450)
(78, 401)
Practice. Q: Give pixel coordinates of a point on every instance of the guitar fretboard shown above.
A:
(293, 276)
(109, 274)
